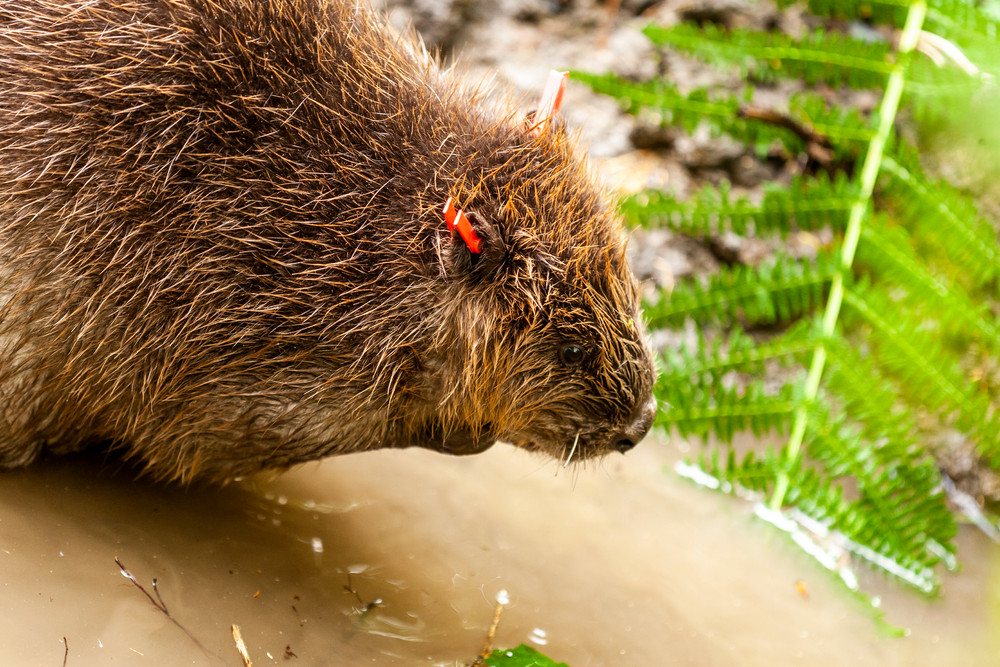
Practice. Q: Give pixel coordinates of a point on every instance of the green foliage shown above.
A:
(726, 411)
(930, 376)
(890, 251)
(886, 12)
(822, 56)
(948, 226)
(779, 290)
(806, 204)
(728, 114)
(863, 356)
(945, 17)
(522, 656)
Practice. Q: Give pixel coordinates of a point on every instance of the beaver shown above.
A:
(222, 247)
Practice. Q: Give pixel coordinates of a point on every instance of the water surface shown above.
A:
(613, 564)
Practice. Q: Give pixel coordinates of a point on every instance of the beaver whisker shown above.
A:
(572, 451)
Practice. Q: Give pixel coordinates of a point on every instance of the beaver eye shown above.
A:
(571, 355)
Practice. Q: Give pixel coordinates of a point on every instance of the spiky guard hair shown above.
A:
(222, 250)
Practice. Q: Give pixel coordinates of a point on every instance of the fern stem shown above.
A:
(869, 173)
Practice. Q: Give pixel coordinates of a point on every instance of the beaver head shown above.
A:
(540, 333)
(222, 247)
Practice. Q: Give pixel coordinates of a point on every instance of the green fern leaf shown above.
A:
(943, 16)
(707, 363)
(860, 389)
(870, 524)
(724, 412)
(822, 56)
(807, 204)
(889, 368)
(780, 290)
(944, 219)
(927, 375)
(889, 253)
(891, 12)
(846, 129)
(894, 484)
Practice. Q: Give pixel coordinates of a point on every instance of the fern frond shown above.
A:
(860, 389)
(708, 386)
(675, 108)
(779, 290)
(930, 88)
(707, 363)
(911, 353)
(822, 56)
(961, 14)
(889, 253)
(927, 375)
(807, 204)
(945, 92)
(722, 114)
(724, 412)
(968, 26)
(868, 527)
(944, 218)
(900, 498)
(882, 463)
(857, 472)
(844, 126)
(900, 511)
(754, 473)
(944, 16)
(891, 12)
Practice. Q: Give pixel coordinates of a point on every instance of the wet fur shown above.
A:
(221, 246)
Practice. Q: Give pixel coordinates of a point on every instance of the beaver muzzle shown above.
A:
(642, 420)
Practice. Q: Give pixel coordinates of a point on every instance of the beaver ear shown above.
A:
(461, 260)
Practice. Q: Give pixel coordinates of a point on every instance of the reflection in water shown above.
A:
(538, 637)
(397, 558)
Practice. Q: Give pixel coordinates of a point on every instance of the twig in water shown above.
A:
(365, 608)
(240, 645)
(349, 587)
(66, 652)
(157, 602)
(502, 600)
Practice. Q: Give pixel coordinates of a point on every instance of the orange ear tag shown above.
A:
(551, 100)
(456, 219)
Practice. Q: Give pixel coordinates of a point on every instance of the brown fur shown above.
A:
(221, 247)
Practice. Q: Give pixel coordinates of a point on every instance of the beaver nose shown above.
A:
(642, 420)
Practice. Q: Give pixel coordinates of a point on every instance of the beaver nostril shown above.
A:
(624, 444)
(642, 421)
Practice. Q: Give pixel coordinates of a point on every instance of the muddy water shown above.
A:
(617, 564)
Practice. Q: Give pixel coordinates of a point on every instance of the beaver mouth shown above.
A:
(605, 438)
(579, 447)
